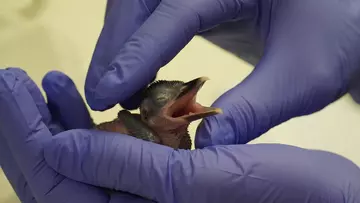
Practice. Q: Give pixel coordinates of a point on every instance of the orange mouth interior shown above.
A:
(185, 106)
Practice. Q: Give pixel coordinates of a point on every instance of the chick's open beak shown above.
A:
(185, 105)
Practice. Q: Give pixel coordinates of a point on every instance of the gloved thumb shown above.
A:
(287, 82)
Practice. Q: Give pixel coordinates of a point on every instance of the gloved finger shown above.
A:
(13, 174)
(271, 95)
(232, 173)
(8, 163)
(39, 100)
(296, 76)
(25, 133)
(169, 28)
(67, 106)
(132, 148)
(123, 18)
(65, 102)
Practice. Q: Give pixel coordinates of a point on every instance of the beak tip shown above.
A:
(204, 78)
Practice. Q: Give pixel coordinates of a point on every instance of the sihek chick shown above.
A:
(166, 111)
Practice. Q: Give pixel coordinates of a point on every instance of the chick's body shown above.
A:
(164, 114)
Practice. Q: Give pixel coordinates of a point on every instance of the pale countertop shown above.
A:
(61, 35)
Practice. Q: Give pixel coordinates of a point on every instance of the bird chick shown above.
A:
(166, 111)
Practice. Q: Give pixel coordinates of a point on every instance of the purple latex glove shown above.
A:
(262, 173)
(27, 123)
(310, 59)
(233, 173)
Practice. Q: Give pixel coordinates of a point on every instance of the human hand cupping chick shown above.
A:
(79, 164)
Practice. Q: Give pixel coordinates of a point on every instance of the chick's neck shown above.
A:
(178, 138)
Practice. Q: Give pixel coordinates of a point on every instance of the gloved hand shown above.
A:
(311, 58)
(28, 123)
(230, 173)
(233, 173)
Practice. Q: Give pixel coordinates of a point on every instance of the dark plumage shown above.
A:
(167, 109)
